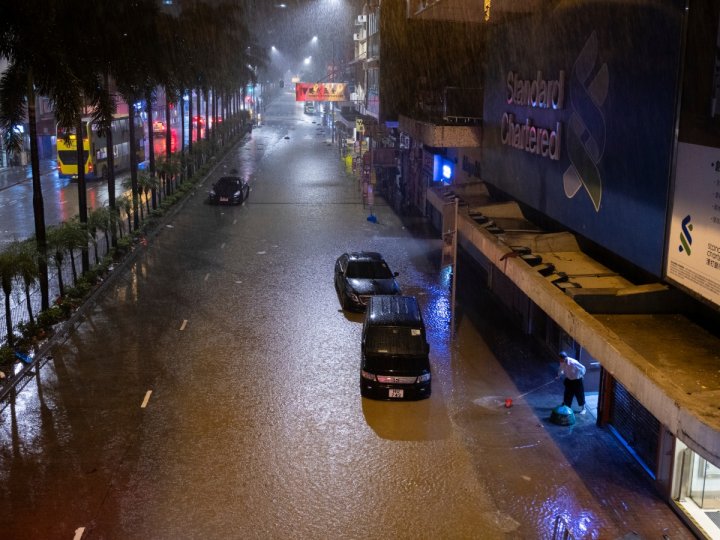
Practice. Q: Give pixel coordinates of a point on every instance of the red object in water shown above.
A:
(508, 403)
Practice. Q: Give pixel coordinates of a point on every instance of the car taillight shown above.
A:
(367, 375)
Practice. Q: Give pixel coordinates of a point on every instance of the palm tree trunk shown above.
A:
(110, 162)
(28, 303)
(82, 188)
(168, 141)
(151, 138)
(199, 117)
(182, 122)
(8, 320)
(207, 114)
(133, 163)
(190, 118)
(61, 284)
(38, 206)
(72, 266)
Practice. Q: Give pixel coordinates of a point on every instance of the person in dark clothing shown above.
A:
(574, 372)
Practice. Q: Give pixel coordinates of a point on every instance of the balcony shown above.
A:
(477, 11)
(448, 118)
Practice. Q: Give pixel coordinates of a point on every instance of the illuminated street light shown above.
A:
(307, 60)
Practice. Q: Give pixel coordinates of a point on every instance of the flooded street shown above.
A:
(213, 390)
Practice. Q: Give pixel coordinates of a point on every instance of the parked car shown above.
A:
(360, 275)
(395, 361)
(229, 190)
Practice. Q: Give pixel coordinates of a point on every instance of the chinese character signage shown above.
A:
(693, 259)
(320, 92)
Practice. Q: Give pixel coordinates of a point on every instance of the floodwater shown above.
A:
(213, 389)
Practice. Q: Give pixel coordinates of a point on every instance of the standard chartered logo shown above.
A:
(586, 132)
(685, 237)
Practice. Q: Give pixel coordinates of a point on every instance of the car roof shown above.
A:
(393, 310)
(365, 256)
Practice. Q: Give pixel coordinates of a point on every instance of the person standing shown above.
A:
(574, 372)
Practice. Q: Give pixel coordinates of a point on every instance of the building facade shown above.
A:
(585, 136)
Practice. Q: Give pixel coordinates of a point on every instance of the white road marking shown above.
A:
(147, 398)
(183, 325)
(222, 246)
(238, 281)
(78, 533)
(261, 252)
(207, 276)
(234, 221)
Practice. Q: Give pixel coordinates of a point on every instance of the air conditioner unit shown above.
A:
(359, 36)
(362, 19)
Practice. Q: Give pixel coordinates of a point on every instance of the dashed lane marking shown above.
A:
(78, 533)
(222, 246)
(207, 276)
(147, 398)
(183, 325)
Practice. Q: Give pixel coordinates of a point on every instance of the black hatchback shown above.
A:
(229, 190)
(360, 275)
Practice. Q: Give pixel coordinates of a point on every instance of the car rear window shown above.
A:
(368, 270)
(394, 340)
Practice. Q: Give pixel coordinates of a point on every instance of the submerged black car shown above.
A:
(395, 361)
(229, 190)
(360, 275)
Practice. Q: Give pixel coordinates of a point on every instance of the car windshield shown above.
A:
(395, 340)
(228, 183)
(368, 270)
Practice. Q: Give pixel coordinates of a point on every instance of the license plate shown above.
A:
(395, 393)
(223, 199)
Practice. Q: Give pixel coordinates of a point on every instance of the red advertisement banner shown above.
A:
(320, 91)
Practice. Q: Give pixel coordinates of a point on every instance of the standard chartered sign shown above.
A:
(537, 93)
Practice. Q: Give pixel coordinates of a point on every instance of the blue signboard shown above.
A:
(579, 120)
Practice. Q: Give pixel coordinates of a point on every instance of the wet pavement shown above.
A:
(60, 199)
(213, 390)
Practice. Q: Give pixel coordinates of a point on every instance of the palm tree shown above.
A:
(125, 204)
(56, 252)
(75, 236)
(147, 183)
(35, 65)
(169, 169)
(27, 257)
(95, 220)
(9, 269)
(105, 220)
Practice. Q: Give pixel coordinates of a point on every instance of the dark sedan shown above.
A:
(360, 275)
(229, 190)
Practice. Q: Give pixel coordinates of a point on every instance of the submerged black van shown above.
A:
(394, 350)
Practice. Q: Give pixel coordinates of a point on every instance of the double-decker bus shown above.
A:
(95, 148)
